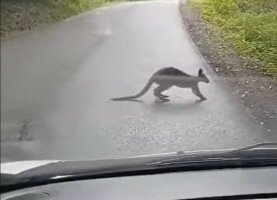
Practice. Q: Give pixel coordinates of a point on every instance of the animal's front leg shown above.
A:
(197, 92)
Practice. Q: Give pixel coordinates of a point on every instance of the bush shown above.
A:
(18, 15)
(249, 26)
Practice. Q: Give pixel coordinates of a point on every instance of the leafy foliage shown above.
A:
(250, 26)
(17, 15)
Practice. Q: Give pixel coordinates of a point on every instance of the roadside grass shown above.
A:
(19, 15)
(248, 26)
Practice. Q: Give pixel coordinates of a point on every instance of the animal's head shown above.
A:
(202, 76)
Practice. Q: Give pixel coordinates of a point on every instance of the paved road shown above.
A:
(61, 78)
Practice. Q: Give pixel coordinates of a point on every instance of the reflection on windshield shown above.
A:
(135, 78)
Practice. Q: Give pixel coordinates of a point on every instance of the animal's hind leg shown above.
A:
(158, 92)
(164, 96)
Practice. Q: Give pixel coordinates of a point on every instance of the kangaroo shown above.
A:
(167, 77)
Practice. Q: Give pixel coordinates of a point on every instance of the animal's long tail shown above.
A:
(142, 92)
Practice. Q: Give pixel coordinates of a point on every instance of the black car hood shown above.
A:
(61, 171)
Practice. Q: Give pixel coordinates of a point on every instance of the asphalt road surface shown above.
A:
(59, 80)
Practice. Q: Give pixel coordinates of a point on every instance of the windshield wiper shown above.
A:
(258, 145)
(249, 156)
(62, 171)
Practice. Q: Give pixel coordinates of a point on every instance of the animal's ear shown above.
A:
(200, 72)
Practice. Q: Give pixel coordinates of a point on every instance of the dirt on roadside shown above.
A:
(257, 91)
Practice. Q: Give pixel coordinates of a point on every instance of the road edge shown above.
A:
(256, 92)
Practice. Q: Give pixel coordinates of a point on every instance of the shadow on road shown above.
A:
(171, 107)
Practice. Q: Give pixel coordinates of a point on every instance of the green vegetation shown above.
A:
(18, 15)
(249, 26)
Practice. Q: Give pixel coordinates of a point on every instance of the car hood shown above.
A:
(21, 166)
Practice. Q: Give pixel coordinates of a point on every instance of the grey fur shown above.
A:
(165, 78)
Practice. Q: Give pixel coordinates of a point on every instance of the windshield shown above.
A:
(91, 79)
